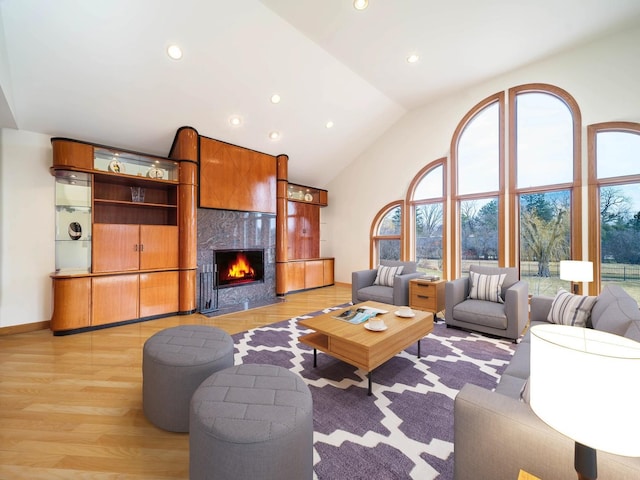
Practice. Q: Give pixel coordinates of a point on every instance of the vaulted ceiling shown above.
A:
(98, 70)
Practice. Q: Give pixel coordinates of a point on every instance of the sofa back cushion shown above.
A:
(570, 309)
(510, 278)
(409, 267)
(614, 311)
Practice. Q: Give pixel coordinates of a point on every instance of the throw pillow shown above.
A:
(386, 275)
(486, 287)
(570, 309)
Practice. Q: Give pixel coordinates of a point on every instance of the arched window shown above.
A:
(545, 175)
(614, 205)
(426, 199)
(386, 234)
(477, 152)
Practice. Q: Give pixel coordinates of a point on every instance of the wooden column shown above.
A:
(281, 224)
(185, 149)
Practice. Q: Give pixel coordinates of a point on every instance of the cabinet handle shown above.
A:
(142, 247)
(423, 296)
(135, 247)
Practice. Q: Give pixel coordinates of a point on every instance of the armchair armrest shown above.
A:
(401, 288)
(495, 436)
(361, 279)
(455, 292)
(540, 308)
(516, 306)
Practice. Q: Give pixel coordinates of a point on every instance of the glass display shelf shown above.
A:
(131, 164)
(73, 221)
(302, 193)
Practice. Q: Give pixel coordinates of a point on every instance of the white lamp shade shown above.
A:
(576, 271)
(586, 384)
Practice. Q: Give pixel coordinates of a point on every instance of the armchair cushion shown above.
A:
(486, 287)
(570, 309)
(386, 275)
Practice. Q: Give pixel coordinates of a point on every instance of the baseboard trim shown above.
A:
(24, 328)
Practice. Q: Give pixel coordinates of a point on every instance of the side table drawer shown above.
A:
(423, 299)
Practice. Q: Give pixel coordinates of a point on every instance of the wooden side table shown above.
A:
(427, 295)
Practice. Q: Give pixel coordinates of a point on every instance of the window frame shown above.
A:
(456, 227)
(574, 187)
(374, 238)
(594, 185)
(411, 204)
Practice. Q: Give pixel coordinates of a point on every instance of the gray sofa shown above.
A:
(506, 319)
(363, 289)
(496, 434)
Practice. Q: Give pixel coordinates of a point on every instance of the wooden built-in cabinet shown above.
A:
(298, 262)
(117, 236)
(305, 274)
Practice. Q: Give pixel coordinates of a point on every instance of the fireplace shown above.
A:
(238, 267)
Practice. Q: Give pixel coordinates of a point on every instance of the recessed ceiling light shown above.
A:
(235, 120)
(360, 4)
(275, 98)
(274, 135)
(174, 51)
(329, 124)
(413, 58)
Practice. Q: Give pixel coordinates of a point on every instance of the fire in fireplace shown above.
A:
(239, 267)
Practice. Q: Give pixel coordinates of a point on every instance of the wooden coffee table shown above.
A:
(360, 347)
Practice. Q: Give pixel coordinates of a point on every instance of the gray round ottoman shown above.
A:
(174, 362)
(251, 422)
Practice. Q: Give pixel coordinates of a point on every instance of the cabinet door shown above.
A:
(115, 247)
(114, 299)
(158, 293)
(295, 276)
(313, 274)
(328, 271)
(158, 246)
(303, 234)
(71, 301)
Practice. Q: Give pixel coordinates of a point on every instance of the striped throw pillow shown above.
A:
(570, 309)
(386, 275)
(486, 287)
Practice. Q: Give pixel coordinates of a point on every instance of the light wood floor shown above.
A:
(71, 406)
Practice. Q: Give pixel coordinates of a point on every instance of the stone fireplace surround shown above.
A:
(229, 229)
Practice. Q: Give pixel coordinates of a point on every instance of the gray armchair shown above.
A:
(506, 319)
(363, 289)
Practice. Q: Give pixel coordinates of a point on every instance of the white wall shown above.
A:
(27, 232)
(603, 77)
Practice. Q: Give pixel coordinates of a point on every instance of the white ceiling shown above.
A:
(96, 70)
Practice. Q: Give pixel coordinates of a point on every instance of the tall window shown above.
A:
(614, 185)
(386, 234)
(477, 151)
(426, 198)
(545, 163)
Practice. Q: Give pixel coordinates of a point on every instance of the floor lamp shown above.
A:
(584, 384)
(576, 271)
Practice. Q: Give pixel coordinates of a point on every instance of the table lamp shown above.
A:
(576, 271)
(584, 384)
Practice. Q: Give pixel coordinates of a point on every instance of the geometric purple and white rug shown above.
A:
(405, 429)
